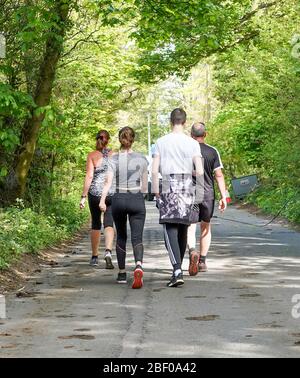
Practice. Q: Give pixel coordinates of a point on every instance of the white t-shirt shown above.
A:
(177, 151)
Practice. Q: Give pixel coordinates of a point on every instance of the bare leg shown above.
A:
(194, 254)
(192, 236)
(109, 233)
(205, 240)
(95, 240)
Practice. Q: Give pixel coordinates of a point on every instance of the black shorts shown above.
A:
(96, 213)
(207, 209)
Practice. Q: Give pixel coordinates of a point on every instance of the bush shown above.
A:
(272, 200)
(27, 230)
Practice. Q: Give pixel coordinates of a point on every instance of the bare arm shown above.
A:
(221, 182)
(89, 176)
(107, 186)
(145, 182)
(222, 188)
(199, 170)
(88, 180)
(198, 173)
(155, 175)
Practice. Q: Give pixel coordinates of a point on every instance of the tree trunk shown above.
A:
(53, 163)
(16, 182)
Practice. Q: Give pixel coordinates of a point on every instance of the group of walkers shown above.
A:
(184, 170)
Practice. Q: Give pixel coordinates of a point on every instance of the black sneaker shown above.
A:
(122, 278)
(109, 264)
(94, 261)
(176, 281)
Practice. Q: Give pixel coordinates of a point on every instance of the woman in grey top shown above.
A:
(97, 168)
(130, 172)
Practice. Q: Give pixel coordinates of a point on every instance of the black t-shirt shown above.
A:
(212, 162)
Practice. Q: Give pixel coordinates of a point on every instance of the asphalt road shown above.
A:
(241, 308)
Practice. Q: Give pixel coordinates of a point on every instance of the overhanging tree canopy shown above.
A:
(175, 35)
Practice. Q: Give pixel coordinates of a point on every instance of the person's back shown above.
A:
(97, 169)
(212, 171)
(176, 152)
(174, 157)
(212, 163)
(128, 168)
(100, 162)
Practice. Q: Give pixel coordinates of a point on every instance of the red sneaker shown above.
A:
(138, 278)
(194, 261)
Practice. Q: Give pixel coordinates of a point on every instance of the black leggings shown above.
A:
(176, 242)
(96, 213)
(132, 206)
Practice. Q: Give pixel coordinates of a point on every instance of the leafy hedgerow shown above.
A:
(24, 230)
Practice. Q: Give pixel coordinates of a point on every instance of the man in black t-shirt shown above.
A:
(212, 171)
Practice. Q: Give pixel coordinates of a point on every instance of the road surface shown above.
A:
(241, 308)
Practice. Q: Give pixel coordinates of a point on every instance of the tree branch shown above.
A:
(83, 40)
(262, 6)
(127, 99)
(77, 59)
(245, 38)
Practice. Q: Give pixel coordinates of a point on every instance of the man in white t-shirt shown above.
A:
(175, 157)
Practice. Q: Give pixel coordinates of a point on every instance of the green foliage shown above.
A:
(175, 35)
(112, 51)
(258, 121)
(285, 200)
(13, 105)
(92, 83)
(27, 230)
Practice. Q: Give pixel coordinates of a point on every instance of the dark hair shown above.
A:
(126, 137)
(199, 130)
(178, 116)
(102, 139)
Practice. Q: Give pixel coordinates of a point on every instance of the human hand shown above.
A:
(223, 205)
(103, 206)
(82, 203)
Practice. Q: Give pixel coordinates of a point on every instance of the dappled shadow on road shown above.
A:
(240, 308)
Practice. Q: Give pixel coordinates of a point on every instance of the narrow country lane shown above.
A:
(241, 308)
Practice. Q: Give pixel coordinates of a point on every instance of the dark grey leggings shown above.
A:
(176, 242)
(132, 206)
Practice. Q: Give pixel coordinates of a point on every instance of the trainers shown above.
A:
(176, 281)
(203, 267)
(122, 278)
(194, 262)
(109, 264)
(94, 261)
(138, 278)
